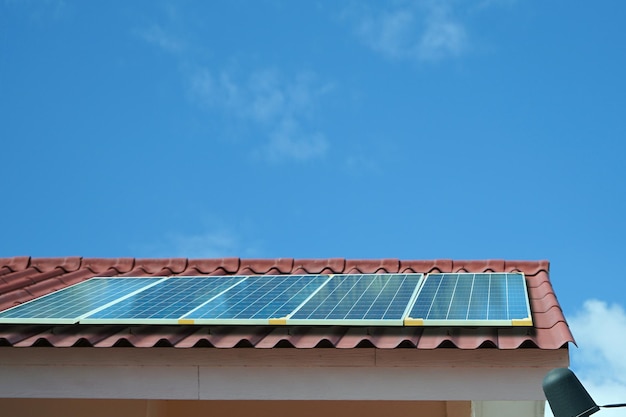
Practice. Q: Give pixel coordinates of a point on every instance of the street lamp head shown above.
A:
(566, 395)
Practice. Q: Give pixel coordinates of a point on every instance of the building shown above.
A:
(191, 370)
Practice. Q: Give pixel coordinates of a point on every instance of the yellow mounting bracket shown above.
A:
(413, 322)
(522, 322)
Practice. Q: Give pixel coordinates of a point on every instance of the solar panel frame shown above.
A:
(412, 320)
(73, 318)
(290, 320)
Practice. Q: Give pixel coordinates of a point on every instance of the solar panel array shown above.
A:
(343, 299)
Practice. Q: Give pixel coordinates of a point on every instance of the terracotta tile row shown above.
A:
(274, 337)
(179, 266)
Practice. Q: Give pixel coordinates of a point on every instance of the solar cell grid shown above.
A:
(68, 305)
(497, 299)
(478, 308)
(282, 300)
(366, 295)
(460, 300)
(166, 302)
(258, 299)
(426, 296)
(359, 299)
(485, 299)
(326, 299)
(518, 302)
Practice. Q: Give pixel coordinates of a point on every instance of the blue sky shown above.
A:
(413, 130)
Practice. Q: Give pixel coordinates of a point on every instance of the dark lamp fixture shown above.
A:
(567, 396)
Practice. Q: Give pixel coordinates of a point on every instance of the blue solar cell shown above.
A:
(170, 299)
(360, 297)
(460, 301)
(518, 297)
(69, 304)
(497, 299)
(472, 297)
(426, 296)
(478, 308)
(260, 297)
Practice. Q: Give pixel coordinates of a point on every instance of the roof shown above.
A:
(25, 278)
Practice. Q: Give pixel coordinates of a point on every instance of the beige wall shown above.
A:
(180, 408)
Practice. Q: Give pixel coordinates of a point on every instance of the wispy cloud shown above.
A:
(156, 35)
(599, 361)
(208, 245)
(279, 107)
(443, 35)
(360, 163)
(421, 31)
(288, 140)
(39, 11)
(213, 243)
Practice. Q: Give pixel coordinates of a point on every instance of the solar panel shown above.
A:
(164, 303)
(68, 305)
(487, 299)
(363, 299)
(462, 299)
(260, 299)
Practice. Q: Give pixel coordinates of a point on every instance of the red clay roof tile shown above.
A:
(319, 266)
(491, 265)
(438, 265)
(11, 335)
(23, 278)
(48, 264)
(101, 265)
(170, 266)
(209, 266)
(369, 266)
(13, 298)
(27, 272)
(17, 263)
(15, 282)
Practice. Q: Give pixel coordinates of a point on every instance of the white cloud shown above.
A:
(442, 36)
(500, 3)
(424, 31)
(214, 243)
(600, 362)
(156, 35)
(389, 33)
(278, 107)
(39, 11)
(209, 245)
(288, 141)
(359, 163)
(600, 331)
